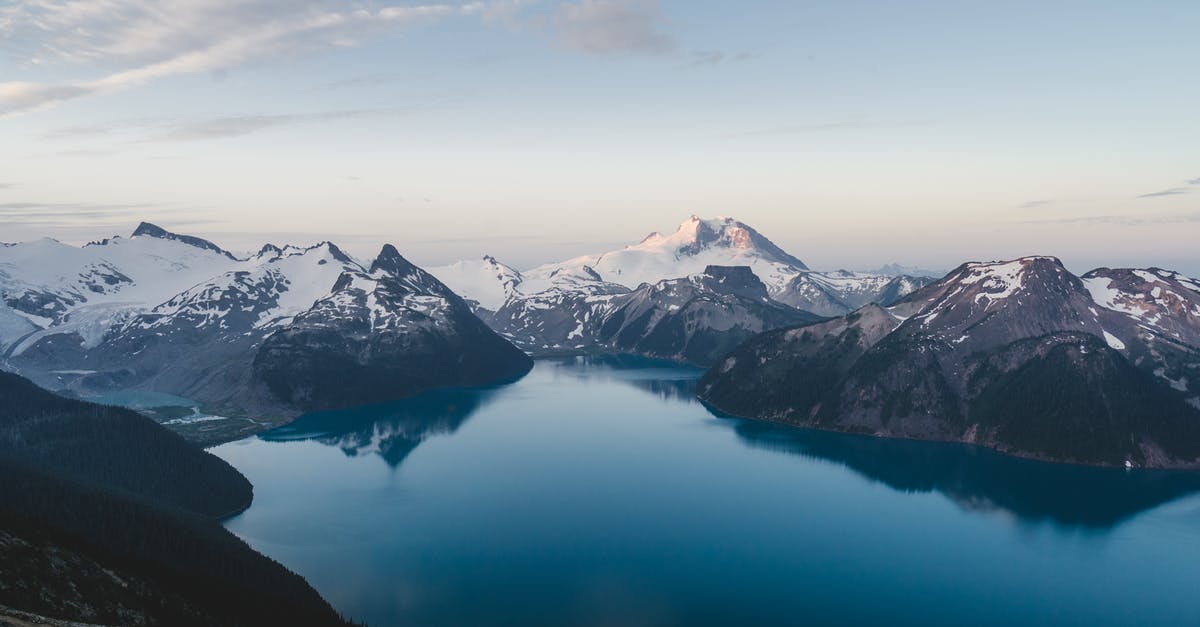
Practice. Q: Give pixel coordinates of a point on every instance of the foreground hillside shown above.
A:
(106, 517)
(1020, 356)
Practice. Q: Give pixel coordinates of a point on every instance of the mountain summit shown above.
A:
(695, 235)
(696, 244)
(1021, 356)
(146, 229)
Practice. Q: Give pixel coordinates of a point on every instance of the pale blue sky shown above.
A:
(852, 133)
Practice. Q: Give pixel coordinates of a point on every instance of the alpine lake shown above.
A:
(599, 491)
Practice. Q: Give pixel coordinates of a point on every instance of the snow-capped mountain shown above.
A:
(695, 245)
(552, 308)
(384, 333)
(485, 282)
(560, 318)
(693, 319)
(897, 269)
(1021, 356)
(87, 290)
(198, 343)
(163, 312)
(839, 292)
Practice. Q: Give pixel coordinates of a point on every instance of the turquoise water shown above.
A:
(598, 492)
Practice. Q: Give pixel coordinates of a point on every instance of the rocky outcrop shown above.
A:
(1018, 356)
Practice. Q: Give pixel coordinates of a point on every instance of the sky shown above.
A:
(851, 133)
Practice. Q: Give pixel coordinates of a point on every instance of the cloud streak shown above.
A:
(1122, 220)
(158, 40)
(1174, 191)
(68, 214)
(713, 58)
(237, 126)
(613, 26)
(174, 130)
(804, 129)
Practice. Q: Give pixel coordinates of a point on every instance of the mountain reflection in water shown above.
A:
(391, 430)
(597, 491)
(982, 480)
(975, 479)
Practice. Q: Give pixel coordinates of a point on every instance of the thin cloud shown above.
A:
(175, 130)
(100, 129)
(1123, 220)
(7, 185)
(1034, 204)
(713, 58)
(803, 129)
(67, 214)
(1174, 191)
(86, 216)
(482, 239)
(78, 152)
(237, 126)
(613, 26)
(154, 40)
(370, 80)
(1195, 181)
(709, 58)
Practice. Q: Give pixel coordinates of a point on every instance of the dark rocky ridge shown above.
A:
(1015, 356)
(152, 230)
(694, 319)
(697, 319)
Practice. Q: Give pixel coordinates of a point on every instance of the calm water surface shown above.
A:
(598, 492)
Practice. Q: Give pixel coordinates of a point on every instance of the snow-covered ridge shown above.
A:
(485, 280)
(1162, 300)
(697, 243)
(156, 281)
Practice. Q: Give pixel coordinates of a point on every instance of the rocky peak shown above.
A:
(392, 262)
(983, 304)
(146, 229)
(696, 235)
(735, 280)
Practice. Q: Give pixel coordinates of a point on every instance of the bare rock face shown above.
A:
(695, 319)
(1020, 356)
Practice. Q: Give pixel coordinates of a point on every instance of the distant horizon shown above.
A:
(366, 247)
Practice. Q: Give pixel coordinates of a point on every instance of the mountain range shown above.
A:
(291, 329)
(565, 307)
(269, 335)
(1022, 356)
